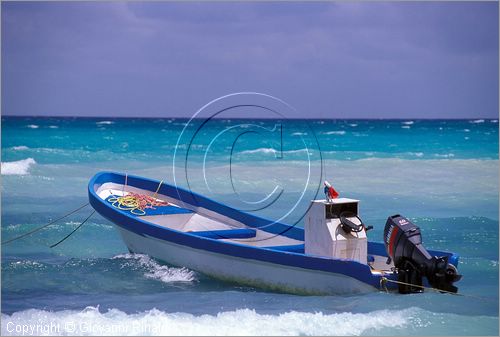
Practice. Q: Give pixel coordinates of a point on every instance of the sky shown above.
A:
(326, 59)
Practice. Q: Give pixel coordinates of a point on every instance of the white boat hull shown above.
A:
(246, 271)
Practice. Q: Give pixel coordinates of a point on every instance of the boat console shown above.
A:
(333, 229)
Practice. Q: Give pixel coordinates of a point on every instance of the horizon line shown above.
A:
(246, 118)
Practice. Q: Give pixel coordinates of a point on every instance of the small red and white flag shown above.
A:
(330, 191)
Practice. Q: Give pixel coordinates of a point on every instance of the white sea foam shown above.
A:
(467, 130)
(334, 133)
(494, 121)
(53, 127)
(20, 148)
(105, 123)
(91, 321)
(353, 125)
(259, 150)
(416, 154)
(26, 264)
(408, 122)
(155, 270)
(299, 134)
(20, 167)
(405, 127)
(32, 126)
(447, 155)
(477, 121)
(266, 150)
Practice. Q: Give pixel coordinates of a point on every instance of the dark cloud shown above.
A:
(370, 60)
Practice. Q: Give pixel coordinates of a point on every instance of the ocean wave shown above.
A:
(91, 321)
(334, 133)
(32, 126)
(299, 134)
(20, 148)
(53, 127)
(447, 155)
(266, 150)
(353, 125)
(105, 123)
(155, 270)
(477, 121)
(494, 120)
(19, 167)
(408, 122)
(466, 130)
(405, 127)
(416, 154)
(27, 264)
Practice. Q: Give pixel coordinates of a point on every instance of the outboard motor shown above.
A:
(403, 243)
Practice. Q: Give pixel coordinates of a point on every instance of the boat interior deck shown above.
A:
(205, 223)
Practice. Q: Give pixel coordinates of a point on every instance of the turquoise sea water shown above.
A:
(442, 174)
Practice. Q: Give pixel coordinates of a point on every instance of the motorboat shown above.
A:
(329, 255)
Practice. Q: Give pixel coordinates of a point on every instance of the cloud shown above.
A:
(330, 59)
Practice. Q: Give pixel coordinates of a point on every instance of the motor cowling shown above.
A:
(403, 242)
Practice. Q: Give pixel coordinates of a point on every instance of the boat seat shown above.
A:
(240, 233)
(289, 248)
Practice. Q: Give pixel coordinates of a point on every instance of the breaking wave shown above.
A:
(20, 167)
(416, 154)
(105, 123)
(155, 270)
(91, 321)
(477, 121)
(20, 148)
(334, 133)
(447, 155)
(266, 150)
(408, 122)
(32, 126)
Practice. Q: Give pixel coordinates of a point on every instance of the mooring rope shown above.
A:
(137, 203)
(40, 228)
(74, 230)
(159, 185)
(124, 185)
(384, 280)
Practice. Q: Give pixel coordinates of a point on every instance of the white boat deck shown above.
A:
(196, 222)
